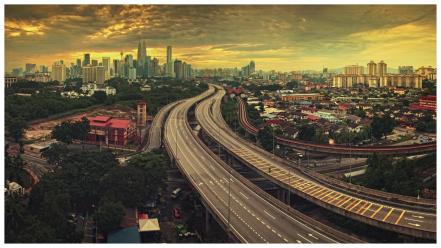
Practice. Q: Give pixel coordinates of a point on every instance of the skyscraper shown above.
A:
(43, 69)
(178, 68)
(169, 64)
(79, 62)
(87, 74)
(58, 72)
(252, 67)
(100, 74)
(381, 68)
(86, 60)
(116, 66)
(372, 68)
(30, 68)
(155, 67)
(94, 62)
(141, 59)
(106, 65)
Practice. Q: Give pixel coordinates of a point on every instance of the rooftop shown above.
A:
(126, 235)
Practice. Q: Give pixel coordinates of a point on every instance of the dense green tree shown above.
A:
(265, 137)
(55, 153)
(15, 127)
(125, 184)
(68, 131)
(377, 127)
(306, 132)
(398, 177)
(382, 126)
(64, 132)
(14, 170)
(22, 227)
(109, 216)
(426, 123)
(100, 96)
(359, 112)
(292, 84)
(154, 166)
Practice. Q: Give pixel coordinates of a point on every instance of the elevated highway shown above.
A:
(155, 132)
(375, 211)
(242, 210)
(337, 149)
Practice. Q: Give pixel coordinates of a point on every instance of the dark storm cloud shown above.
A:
(234, 32)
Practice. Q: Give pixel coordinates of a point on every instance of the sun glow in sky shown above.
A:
(285, 38)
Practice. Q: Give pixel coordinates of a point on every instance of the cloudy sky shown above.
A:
(283, 38)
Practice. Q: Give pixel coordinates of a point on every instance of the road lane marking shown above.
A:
(413, 224)
(312, 191)
(376, 211)
(304, 238)
(315, 193)
(362, 207)
(350, 198)
(387, 215)
(366, 209)
(309, 187)
(312, 236)
(327, 195)
(418, 216)
(243, 195)
(355, 205)
(335, 198)
(342, 200)
(269, 214)
(401, 216)
(414, 220)
(322, 194)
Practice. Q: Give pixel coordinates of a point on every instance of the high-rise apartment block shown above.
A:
(58, 72)
(354, 70)
(86, 60)
(169, 69)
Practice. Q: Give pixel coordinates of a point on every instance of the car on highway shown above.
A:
(176, 193)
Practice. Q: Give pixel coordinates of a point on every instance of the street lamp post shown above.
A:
(229, 198)
(350, 164)
(289, 187)
(272, 128)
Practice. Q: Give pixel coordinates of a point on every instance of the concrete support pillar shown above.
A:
(207, 221)
(281, 195)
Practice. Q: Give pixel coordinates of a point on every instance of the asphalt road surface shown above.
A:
(251, 218)
(211, 120)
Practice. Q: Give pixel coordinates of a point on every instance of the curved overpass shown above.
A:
(155, 132)
(248, 215)
(396, 218)
(337, 149)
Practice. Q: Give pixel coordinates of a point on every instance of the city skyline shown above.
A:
(282, 38)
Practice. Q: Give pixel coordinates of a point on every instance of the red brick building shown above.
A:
(107, 130)
(425, 103)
